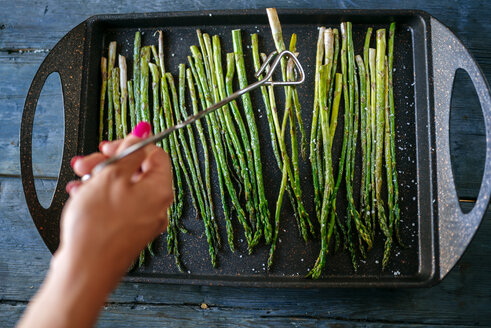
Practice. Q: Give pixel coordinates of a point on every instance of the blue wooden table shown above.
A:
(29, 29)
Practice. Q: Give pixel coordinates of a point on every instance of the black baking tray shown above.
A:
(426, 57)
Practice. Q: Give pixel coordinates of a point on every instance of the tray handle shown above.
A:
(66, 58)
(455, 229)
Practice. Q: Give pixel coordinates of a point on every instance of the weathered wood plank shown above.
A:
(147, 316)
(463, 297)
(47, 138)
(467, 142)
(18, 71)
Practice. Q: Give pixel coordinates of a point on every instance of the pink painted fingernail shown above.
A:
(142, 130)
(102, 145)
(74, 160)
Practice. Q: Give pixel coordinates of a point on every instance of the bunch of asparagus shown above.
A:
(370, 113)
(327, 96)
(378, 120)
(277, 132)
(235, 157)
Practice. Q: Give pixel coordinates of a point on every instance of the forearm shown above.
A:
(71, 296)
(104, 225)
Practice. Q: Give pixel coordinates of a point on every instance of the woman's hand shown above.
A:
(106, 222)
(112, 217)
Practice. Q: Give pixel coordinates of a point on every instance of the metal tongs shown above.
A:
(265, 81)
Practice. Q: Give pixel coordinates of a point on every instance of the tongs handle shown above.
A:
(193, 118)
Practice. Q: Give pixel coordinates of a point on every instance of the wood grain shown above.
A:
(194, 316)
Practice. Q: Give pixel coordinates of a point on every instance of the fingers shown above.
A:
(72, 187)
(157, 161)
(157, 176)
(131, 164)
(83, 165)
(109, 148)
(127, 166)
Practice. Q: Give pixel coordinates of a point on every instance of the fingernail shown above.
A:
(102, 145)
(74, 160)
(142, 130)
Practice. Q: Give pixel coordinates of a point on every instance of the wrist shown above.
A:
(73, 270)
(76, 289)
(71, 296)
